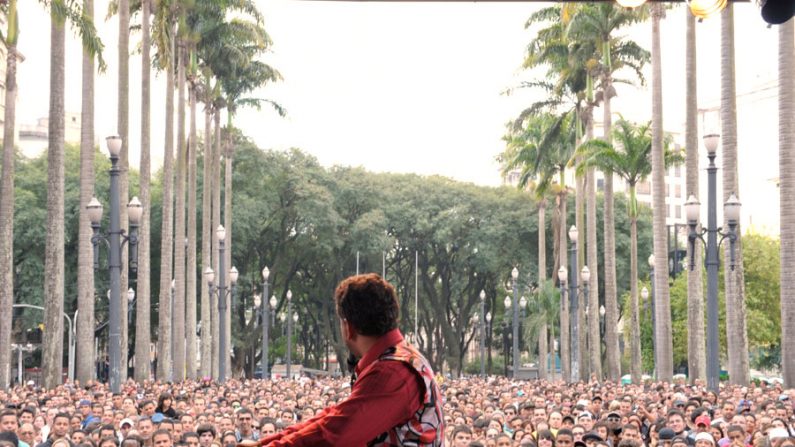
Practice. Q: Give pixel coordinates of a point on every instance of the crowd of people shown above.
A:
(493, 412)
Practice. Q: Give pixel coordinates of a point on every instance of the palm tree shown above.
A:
(736, 332)
(664, 340)
(541, 150)
(542, 320)
(178, 312)
(542, 277)
(190, 269)
(696, 346)
(123, 128)
(7, 197)
(630, 160)
(52, 343)
(164, 29)
(142, 321)
(598, 23)
(60, 12)
(85, 272)
(786, 151)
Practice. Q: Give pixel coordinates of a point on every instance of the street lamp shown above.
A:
(731, 210)
(602, 319)
(264, 311)
(574, 306)
(482, 328)
(115, 239)
(563, 276)
(220, 292)
(289, 332)
(515, 350)
(488, 331)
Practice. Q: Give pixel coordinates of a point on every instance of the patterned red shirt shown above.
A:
(388, 395)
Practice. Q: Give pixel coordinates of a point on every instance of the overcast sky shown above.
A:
(416, 87)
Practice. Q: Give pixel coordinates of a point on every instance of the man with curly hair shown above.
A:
(394, 400)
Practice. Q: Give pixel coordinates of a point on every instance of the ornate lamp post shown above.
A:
(221, 293)
(265, 320)
(515, 348)
(289, 332)
(115, 239)
(731, 210)
(574, 306)
(482, 324)
(563, 275)
(488, 331)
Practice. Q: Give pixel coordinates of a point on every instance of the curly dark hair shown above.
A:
(369, 303)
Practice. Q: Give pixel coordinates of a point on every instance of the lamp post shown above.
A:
(220, 291)
(482, 324)
(644, 293)
(563, 275)
(264, 309)
(289, 332)
(585, 275)
(731, 210)
(574, 306)
(488, 331)
(515, 348)
(602, 321)
(115, 239)
(522, 307)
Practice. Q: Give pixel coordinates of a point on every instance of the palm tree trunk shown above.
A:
(207, 181)
(542, 353)
(190, 270)
(216, 222)
(542, 276)
(786, 156)
(178, 316)
(696, 345)
(565, 339)
(142, 308)
(166, 247)
(611, 303)
(124, 163)
(637, 361)
(52, 345)
(736, 333)
(662, 305)
(7, 202)
(84, 367)
(228, 244)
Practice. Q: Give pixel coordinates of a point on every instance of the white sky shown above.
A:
(415, 87)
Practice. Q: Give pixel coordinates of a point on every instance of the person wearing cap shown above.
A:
(704, 439)
(665, 436)
(125, 426)
(679, 441)
(702, 423)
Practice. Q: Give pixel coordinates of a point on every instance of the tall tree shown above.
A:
(7, 196)
(662, 300)
(630, 159)
(542, 148)
(190, 268)
(123, 128)
(142, 309)
(52, 343)
(178, 312)
(599, 23)
(166, 50)
(734, 289)
(786, 155)
(696, 349)
(85, 369)
(207, 232)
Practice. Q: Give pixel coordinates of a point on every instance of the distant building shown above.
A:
(33, 138)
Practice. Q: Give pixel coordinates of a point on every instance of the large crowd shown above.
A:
(493, 412)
